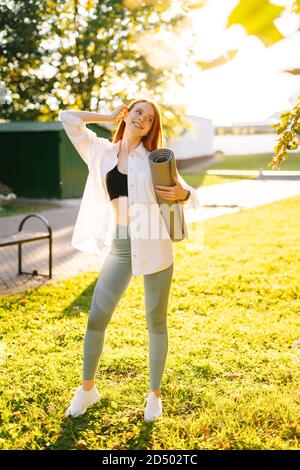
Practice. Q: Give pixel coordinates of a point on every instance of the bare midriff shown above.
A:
(120, 204)
(120, 210)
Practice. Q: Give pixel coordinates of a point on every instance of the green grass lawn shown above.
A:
(256, 162)
(238, 162)
(16, 208)
(202, 179)
(232, 374)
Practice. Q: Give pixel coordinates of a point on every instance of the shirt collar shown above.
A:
(139, 151)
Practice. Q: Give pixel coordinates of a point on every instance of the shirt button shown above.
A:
(131, 185)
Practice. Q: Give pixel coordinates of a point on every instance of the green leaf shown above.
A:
(221, 60)
(257, 17)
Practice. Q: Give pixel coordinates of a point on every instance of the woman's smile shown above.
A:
(136, 124)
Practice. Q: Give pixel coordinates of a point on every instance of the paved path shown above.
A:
(215, 200)
(249, 193)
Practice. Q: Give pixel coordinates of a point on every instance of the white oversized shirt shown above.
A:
(95, 220)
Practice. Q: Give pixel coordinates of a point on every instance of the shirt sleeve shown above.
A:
(193, 201)
(83, 139)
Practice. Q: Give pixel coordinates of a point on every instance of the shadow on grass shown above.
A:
(102, 423)
(81, 304)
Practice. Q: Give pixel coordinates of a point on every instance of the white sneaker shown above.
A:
(81, 400)
(153, 407)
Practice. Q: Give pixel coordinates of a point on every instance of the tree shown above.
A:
(90, 45)
(22, 26)
(289, 130)
(288, 127)
(257, 17)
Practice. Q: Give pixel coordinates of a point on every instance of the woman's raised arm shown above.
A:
(74, 123)
(91, 117)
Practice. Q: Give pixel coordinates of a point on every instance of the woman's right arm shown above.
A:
(91, 117)
(83, 138)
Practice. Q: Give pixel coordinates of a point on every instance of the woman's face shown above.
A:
(140, 118)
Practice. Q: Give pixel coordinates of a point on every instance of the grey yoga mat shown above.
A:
(163, 168)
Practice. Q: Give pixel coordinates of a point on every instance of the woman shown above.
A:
(118, 199)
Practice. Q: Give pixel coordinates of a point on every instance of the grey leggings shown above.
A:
(111, 284)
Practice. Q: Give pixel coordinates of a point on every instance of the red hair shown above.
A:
(153, 139)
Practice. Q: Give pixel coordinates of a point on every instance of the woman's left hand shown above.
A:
(172, 193)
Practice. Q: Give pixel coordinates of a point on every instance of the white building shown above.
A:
(196, 142)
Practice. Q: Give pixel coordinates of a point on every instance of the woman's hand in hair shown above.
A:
(119, 112)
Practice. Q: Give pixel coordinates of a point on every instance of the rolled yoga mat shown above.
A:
(163, 168)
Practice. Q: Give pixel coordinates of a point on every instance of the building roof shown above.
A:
(34, 126)
(30, 126)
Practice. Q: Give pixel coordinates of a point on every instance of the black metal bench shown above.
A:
(23, 236)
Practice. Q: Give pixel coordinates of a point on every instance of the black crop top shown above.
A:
(116, 183)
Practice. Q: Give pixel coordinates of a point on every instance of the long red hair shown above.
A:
(153, 139)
